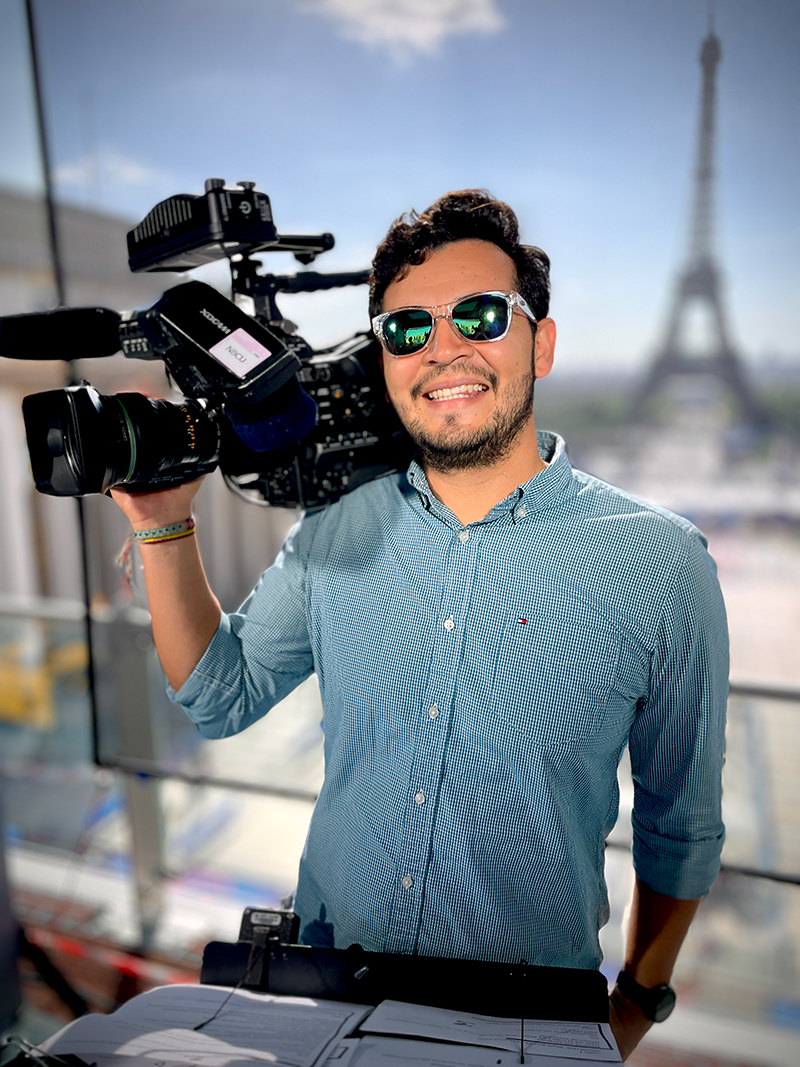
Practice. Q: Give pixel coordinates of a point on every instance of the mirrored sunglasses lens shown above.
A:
(405, 332)
(482, 318)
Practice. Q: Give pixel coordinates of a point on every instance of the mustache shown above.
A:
(425, 384)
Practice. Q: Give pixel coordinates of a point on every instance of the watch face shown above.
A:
(662, 1009)
(656, 1003)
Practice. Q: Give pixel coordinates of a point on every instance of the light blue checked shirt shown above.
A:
(479, 686)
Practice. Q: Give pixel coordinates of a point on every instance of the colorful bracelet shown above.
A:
(173, 531)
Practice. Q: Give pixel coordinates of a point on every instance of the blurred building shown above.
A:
(94, 252)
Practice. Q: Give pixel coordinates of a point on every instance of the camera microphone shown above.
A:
(63, 333)
(283, 419)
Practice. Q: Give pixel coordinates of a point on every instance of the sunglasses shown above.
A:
(478, 317)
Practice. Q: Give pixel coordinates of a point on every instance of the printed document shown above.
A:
(402, 1052)
(157, 1028)
(589, 1042)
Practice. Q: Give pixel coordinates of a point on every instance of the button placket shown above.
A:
(458, 584)
(458, 567)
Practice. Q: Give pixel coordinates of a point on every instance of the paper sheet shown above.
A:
(156, 1029)
(589, 1042)
(398, 1051)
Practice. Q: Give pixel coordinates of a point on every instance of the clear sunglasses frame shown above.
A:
(445, 311)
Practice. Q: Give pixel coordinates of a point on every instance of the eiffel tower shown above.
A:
(699, 282)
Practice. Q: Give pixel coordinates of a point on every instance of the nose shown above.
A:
(446, 342)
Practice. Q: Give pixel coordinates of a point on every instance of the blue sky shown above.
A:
(580, 113)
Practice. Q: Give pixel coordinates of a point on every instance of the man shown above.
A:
(489, 630)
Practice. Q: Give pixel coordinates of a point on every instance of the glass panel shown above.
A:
(761, 786)
(742, 955)
(283, 751)
(45, 730)
(68, 824)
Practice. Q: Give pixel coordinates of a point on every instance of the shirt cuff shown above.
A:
(682, 869)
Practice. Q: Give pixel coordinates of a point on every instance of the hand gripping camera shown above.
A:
(288, 426)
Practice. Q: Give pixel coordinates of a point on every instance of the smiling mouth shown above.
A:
(456, 391)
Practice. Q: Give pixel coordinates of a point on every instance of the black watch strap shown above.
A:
(656, 1003)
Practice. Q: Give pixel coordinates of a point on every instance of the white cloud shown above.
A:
(408, 27)
(111, 169)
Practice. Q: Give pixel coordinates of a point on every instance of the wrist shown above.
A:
(173, 530)
(655, 1002)
(165, 519)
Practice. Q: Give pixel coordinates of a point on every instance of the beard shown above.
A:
(454, 450)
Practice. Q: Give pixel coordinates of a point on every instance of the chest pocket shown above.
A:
(554, 677)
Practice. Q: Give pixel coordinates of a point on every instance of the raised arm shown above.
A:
(184, 611)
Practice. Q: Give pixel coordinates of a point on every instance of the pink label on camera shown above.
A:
(239, 352)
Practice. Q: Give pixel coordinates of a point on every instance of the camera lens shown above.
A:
(158, 437)
(81, 441)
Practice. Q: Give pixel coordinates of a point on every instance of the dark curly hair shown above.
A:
(470, 214)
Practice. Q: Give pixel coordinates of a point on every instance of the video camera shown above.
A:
(288, 426)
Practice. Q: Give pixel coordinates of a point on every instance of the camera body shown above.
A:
(288, 426)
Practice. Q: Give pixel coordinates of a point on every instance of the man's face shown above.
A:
(465, 404)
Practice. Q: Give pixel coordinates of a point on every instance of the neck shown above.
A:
(472, 493)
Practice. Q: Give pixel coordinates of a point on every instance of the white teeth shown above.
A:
(455, 391)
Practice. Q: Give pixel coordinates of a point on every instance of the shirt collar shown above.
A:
(538, 493)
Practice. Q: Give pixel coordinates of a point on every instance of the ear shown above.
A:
(544, 347)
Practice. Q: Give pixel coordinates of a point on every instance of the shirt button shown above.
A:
(419, 797)
(464, 536)
(521, 512)
(449, 624)
(407, 881)
(433, 712)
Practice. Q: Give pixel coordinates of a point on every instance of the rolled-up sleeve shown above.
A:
(259, 654)
(677, 739)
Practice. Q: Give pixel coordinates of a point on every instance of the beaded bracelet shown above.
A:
(171, 532)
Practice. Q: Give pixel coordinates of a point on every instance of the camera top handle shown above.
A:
(263, 288)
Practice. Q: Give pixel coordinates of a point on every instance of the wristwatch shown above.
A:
(656, 1003)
